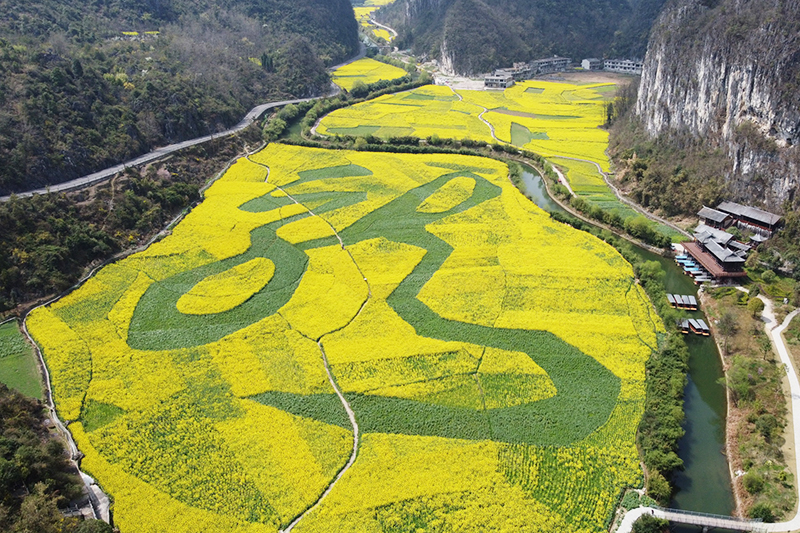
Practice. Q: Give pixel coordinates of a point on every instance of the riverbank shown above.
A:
(705, 485)
(732, 417)
(757, 408)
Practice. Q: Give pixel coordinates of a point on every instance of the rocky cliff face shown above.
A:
(727, 72)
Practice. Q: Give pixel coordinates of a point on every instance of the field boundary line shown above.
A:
(346, 404)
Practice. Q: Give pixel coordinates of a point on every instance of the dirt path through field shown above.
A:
(347, 407)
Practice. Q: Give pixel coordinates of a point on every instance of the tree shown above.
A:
(267, 63)
(359, 89)
(752, 260)
(765, 345)
(650, 524)
(739, 381)
(755, 306)
(727, 327)
(768, 276)
(658, 487)
(38, 513)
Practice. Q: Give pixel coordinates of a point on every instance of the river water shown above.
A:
(704, 485)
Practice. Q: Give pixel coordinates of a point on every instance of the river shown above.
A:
(704, 485)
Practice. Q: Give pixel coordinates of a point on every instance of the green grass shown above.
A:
(98, 414)
(520, 135)
(421, 96)
(18, 367)
(357, 130)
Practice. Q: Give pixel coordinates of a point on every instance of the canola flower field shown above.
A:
(556, 120)
(367, 71)
(494, 358)
(364, 11)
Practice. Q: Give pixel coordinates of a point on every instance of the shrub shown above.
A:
(650, 524)
(755, 307)
(762, 511)
(753, 483)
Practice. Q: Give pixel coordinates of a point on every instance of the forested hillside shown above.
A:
(87, 84)
(474, 36)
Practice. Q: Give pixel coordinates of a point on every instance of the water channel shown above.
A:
(705, 484)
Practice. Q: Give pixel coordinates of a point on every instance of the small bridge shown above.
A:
(709, 522)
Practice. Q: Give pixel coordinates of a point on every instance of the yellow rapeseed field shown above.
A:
(494, 358)
(367, 71)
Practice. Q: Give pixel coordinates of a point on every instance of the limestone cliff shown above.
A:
(727, 72)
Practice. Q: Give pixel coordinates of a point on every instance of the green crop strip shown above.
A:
(587, 391)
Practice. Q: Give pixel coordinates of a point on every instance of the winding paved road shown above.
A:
(253, 115)
(387, 28)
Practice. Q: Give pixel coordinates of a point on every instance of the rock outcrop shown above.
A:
(727, 72)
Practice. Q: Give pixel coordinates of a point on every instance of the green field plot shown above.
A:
(18, 367)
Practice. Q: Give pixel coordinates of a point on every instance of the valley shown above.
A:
(358, 319)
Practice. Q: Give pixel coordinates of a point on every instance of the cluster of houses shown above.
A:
(624, 66)
(717, 255)
(503, 78)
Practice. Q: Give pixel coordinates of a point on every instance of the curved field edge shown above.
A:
(178, 426)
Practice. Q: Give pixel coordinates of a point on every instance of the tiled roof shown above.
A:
(752, 213)
(712, 214)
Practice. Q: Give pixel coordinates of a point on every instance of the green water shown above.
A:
(537, 192)
(704, 485)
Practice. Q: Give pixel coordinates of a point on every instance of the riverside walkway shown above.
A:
(774, 330)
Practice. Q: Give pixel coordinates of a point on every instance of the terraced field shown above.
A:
(556, 120)
(367, 71)
(493, 359)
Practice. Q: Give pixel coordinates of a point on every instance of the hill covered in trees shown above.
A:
(474, 36)
(87, 84)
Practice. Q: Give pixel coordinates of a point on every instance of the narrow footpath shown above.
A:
(331, 379)
(383, 26)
